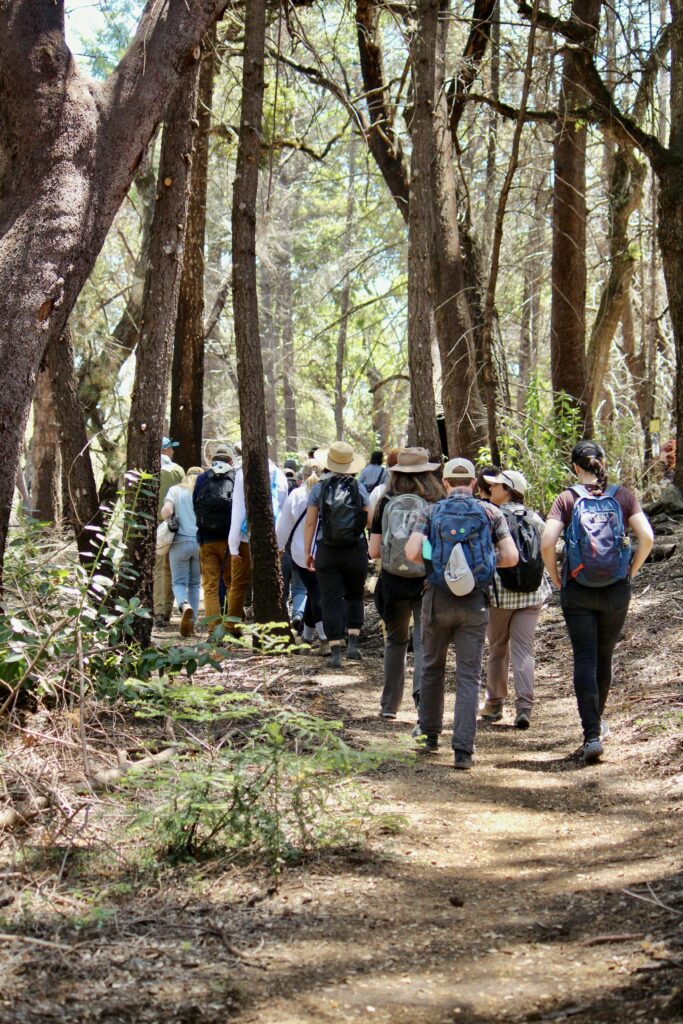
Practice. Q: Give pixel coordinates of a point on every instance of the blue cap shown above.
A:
(166, 442)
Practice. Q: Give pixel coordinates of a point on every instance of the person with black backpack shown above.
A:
(212, 500)
(595, 587)
(374, 474)
(336, 548)
(411, 488)
(517, 598)
(461, 540)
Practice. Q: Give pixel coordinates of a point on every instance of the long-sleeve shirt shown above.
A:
(291, 513)
(238, 534)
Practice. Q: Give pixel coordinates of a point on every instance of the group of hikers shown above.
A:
(461, 557)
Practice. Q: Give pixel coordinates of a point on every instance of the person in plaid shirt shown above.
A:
(512, 619)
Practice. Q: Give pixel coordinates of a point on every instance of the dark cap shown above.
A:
(587, 450)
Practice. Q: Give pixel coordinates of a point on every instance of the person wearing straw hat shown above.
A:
(411, 487)
(335, 545)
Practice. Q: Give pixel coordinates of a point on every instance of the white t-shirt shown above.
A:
(239, 512)
(294, 506)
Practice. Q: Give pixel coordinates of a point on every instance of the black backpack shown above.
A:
(213, 504)
(526, 576)
(341, 512)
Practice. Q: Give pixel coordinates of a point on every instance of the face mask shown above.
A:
(220, 468)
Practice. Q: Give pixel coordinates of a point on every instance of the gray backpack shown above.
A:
(398, 522)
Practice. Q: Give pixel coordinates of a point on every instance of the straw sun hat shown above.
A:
(339, 458)
(413, 460)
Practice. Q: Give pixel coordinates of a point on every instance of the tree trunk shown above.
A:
(423, 430)
(285, 307)
(47, 464)
(531, 293)
(82, 509)
(269, 348)
(568, 306)
(70, 148)
(187, 374)
(154, 351)
(345, 297)
(269, 603)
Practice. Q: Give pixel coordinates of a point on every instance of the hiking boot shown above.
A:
(462, 760)
(353, 648)
(492, 712)
(160, 622)
(592, 751)
(523, 718)
(324, 650)
(417, 731)
(186, 621)
(335, 656)
(426, 744)
(605, 730)
(391, 715)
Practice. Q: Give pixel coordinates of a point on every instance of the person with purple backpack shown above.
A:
(595, 586)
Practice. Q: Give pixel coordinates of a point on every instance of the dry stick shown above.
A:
(604, 940)
(490, 300)
(655, 902)
(6, 937)
(87, 766)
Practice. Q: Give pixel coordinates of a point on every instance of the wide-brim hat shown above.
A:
(510, 478)
(413, 460)
(340, 458)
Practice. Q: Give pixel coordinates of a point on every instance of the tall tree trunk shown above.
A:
(70, 147)
(424, 430)
(187, 374)
(269, 348)
(345, 297)
(154, 351)
(568, 306)
(285, 307)
(531, 292)
(269, 603)
(82, 507)
(47, 464)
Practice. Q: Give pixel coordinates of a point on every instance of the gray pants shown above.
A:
(446, 618)
(511, 638)
(397, 622)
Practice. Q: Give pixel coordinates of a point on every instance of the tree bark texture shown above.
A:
(82, 507)
(187, 374)
(568, 305)
(265, 563)
(424, 430)
(269, 350)
(69, 150)
(47, 464)
(345, 297)
(154, 351)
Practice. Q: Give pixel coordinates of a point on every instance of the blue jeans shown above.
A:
(185, 572)
(462, 620)
(293, 582)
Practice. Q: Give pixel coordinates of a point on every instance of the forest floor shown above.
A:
(529, 889)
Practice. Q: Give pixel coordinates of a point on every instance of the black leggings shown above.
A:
(595, 617)
(313, 611)
(341, 575)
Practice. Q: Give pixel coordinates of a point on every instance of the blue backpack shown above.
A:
(460, 519)
(597, 548)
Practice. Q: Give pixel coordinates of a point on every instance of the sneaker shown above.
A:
(186, 621)
(298, 624)
(335, 656)
(492, 712)
(391, 715)
(353, 648)
(426, 744)
(417, 731)
(160, 622)
(462, 760)
(523, 719)
(592, 751)
(324, 650)
(605, 730)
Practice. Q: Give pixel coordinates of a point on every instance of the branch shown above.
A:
(388, 380)
(574, 31)
(512, 113)
(654, 61)
(472, 57)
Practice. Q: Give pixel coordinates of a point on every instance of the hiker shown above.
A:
(335, 545)
(291, 468)
(379, 491)
(595, 587)
(170, 473)
(517, 598)
(454, 607)
(212, 500)
(374, 473)
(398, 594)
(482, 488)
(238, 537)
(184, 550)
(290, 540)
(292, 581)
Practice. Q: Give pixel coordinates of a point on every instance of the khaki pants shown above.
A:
(215, 561)
(511, 639)
(162, 594)
(240, 578)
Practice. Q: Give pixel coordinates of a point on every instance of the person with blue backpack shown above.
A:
(517, 598)
(461, 540)
(595, 585)
(411, 488)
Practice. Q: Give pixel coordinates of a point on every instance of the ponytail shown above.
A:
(590, 456)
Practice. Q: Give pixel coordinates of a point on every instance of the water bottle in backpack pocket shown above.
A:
(597, 548)
(463, 553)
(527, 575)
(341, 512)
(398, 522)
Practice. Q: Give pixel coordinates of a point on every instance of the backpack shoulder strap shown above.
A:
(611, 492)
(580, 491)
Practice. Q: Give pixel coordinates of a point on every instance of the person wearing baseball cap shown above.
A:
(462, 540)
(170, 474)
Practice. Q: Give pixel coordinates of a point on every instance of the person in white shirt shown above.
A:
(238, 538)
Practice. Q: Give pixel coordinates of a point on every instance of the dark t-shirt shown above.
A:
(393, 587)
(563, 506)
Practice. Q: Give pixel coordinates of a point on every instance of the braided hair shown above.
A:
(590, 456)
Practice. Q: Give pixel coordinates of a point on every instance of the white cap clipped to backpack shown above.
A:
(457, 574)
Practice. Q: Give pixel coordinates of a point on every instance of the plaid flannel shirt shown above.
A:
(513, 600)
